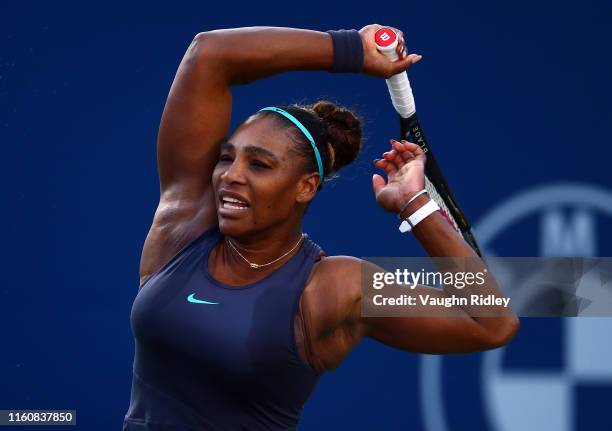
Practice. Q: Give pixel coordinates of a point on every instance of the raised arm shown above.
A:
(196, 120)
(196, 117)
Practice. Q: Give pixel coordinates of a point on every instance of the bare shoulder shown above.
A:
(333, 291)
(337, 270)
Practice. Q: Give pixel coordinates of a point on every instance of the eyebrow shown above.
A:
(251, 149)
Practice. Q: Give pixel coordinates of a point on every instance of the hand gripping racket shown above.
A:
(410, 130)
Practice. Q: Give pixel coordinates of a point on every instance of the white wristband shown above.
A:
(418, 216)
(409, 202)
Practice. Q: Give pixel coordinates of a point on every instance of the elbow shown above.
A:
(504, 333)
(203, 48)
(204, 38)
(207, 55)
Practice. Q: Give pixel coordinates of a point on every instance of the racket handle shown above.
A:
(398, 85)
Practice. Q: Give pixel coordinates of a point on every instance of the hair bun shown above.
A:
(343, 131)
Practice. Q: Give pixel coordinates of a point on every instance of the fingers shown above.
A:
(402, 51)
(404, 63)
(389, 160)
(411, 152)
(405, 150)
(401, 153)
(414, 149)
(402, 156)
(382, 164)
(378, 183)
(404, 147)
(390, 166)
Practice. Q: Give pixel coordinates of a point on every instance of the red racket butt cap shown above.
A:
(385, 37)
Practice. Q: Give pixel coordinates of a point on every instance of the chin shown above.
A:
(233, 228)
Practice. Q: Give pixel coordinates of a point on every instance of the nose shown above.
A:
(234, 173)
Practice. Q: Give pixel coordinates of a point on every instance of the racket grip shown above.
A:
(398, 85)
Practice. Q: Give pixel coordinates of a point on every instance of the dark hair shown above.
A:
(335, 130)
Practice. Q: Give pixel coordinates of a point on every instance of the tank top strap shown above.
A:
(296, 271)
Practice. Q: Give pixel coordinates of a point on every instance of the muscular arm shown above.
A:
(434, 329)
(450, 330)
(445, 330)
(196, 117)
(462, 327)
(334, 307)
(196, 120)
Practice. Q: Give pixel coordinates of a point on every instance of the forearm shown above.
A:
(440, 239)
(246, 54)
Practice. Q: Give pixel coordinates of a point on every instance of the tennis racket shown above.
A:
(410, 130)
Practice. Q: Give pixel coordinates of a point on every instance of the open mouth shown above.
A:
(233, 203)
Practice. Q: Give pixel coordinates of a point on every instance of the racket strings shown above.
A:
(433, 194)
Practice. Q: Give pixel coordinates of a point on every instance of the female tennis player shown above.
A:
(240, 312)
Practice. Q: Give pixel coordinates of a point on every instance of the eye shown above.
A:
(259, 165)
(225, 158)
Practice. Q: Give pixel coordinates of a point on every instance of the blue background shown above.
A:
(513, 95)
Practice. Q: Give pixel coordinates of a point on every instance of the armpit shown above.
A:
(303, 340)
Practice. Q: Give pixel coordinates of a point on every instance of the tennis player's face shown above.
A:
(258, 182)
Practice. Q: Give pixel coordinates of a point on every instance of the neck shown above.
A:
(261, 250)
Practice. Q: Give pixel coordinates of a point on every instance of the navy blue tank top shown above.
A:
(209, 356)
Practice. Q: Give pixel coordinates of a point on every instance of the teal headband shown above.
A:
(303, 130)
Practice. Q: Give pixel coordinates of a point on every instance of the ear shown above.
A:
(307, 188)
